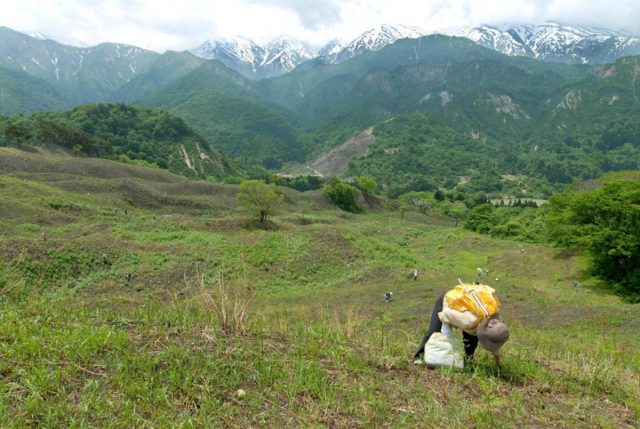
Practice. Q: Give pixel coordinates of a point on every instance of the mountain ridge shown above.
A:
(548, 41)
(556, 42)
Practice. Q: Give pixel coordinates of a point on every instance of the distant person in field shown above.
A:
(475, 309)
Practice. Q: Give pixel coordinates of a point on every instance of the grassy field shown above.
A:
(306, 338)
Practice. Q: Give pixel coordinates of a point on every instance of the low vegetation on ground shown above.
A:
(135, 301)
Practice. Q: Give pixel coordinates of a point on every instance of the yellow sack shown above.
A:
(481, 300)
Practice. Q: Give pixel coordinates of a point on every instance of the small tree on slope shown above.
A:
(259, 197)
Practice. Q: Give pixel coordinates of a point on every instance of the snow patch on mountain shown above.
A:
(38, 36)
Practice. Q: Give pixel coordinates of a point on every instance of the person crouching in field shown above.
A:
(475, 309)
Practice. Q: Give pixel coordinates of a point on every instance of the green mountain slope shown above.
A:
(224, 107)
(447, 76)
(592, 125)
(21, 93)
(165, 69)
(92, 74)
(116, 131)
(520, 118)
(312, 88)
(105, 68)
(415, 152)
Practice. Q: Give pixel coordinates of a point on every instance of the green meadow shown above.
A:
(228, 323)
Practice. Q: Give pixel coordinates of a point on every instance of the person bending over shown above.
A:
(475, 309)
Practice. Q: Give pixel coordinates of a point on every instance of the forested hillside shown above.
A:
(225, 108)
(540, 126)
(130, 134)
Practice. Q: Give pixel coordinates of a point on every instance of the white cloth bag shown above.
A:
(442, 350)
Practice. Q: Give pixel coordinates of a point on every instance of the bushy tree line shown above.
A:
(606, 222)
(600, 216)
(301, 183)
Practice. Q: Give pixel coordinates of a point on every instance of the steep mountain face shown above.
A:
(606, 105)
(253, 60)
(371, 40)
(90, 73)
(556, 42)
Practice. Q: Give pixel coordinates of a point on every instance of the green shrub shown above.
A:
(481, 218)
(343, 195)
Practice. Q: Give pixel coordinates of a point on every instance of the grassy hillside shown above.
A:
(82, 346)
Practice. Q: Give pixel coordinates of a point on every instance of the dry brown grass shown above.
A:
(229, 301)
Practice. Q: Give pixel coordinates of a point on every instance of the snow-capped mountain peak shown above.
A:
(255, 60)
(510, 43)
(331, 49)
(371, 40)
(555, 42)
(240, 48)
(549, 41)
(38, 36)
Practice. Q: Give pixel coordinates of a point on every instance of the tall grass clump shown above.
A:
(227, 301)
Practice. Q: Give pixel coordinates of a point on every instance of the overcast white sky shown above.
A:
(184, 24)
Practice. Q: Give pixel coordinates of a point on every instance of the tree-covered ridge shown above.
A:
(125, 133)
(225, 108)
(544, 127)
(416, 152)
(600, 217)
